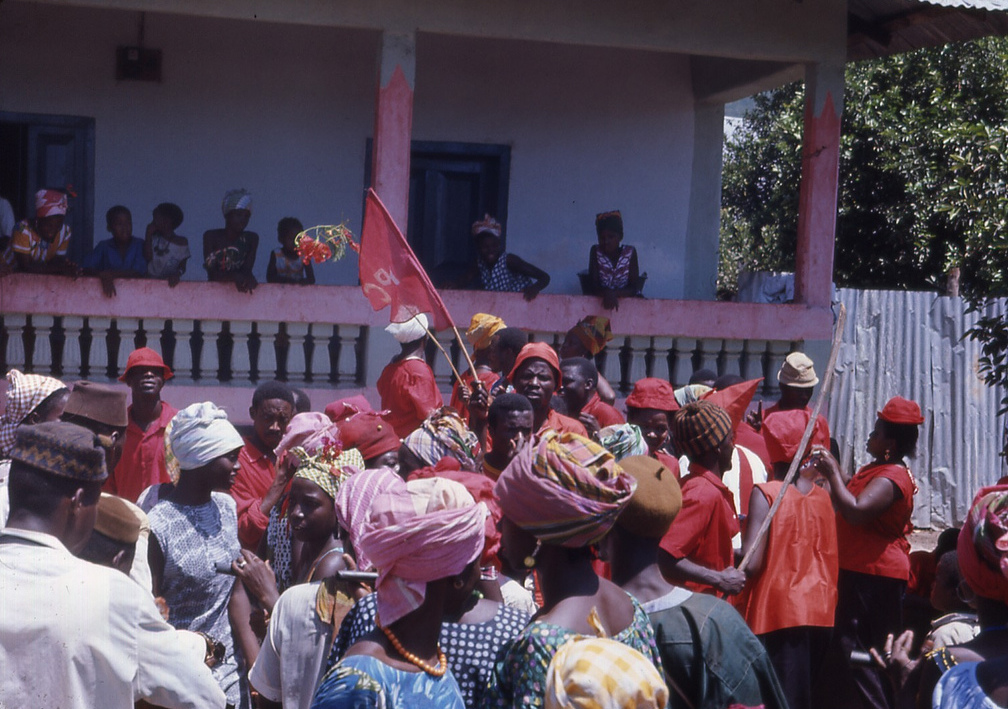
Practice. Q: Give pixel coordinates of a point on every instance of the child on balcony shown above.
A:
(119, 257)
(612, 268)
(166, 252)
(40, 245)
(285, 265)
(230, 253)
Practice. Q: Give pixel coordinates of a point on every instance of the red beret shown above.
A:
(537, 350)
(653, 393)
(342, 409)
(902, 411)
(783, 430)
(145, 357)
(370, 434)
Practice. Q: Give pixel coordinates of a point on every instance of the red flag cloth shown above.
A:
(390, 273)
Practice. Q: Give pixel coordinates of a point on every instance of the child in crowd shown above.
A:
(612, 267)
(285, 265)
(119, 257)
(166, 252)
(40, 245)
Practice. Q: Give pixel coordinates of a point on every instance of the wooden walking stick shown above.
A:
(458, 377)
(824, 390)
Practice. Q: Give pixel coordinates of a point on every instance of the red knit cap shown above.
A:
(902, 411)
(537, 350)
(146, 357)
(370, 434)
(653, 393)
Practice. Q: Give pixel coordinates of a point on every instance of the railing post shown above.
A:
(153, 329)
(73, 325)
(209, 364)
(241, 362)
(682, 365)
(183, 356)
(321, 364)
(776, 352)
(127, 328)
(296, 363)
(42, 359)
(731, 358)
(346, 362)
(662, 350)
(709, 351)
(637, 368)
(16, 355)
(752, 360)
(98, 352)
(267, 364)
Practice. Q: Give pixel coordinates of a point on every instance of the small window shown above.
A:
(452, 185)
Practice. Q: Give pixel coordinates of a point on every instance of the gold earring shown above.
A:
(530, 560)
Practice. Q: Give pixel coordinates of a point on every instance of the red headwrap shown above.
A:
(983, 544)
(537, 350)
(653, 393)
(734, 399)
(369, 433)
(342, 409)
(901, 411)
(49, 203)
(783, 431)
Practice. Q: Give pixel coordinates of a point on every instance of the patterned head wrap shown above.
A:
(564, 489)
(700, 427)
(62, 449)
(482, 328)
(609, 221)
(983, 544)
(444, 433)
(24, 393)
(623, 440)
(353, 504)
(199, 433)
(602, 674)
(301, 428)
(50, 203)
(690, 393)
(236, 199)
(593, 331)
(328, 467)
(488, 225)
(418, 532)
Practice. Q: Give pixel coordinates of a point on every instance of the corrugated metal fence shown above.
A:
(911, 344)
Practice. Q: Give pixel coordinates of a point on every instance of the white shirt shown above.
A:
(731, 480)
(76, 635)
(292, 657)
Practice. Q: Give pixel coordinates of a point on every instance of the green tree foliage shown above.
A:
(912, 126)
(923, 181)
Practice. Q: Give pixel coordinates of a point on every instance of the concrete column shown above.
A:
(704, 224)
(394, 123)
(817, 206)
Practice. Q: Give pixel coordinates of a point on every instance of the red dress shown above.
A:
(800, 566)
(605, 414)
(703, 530)
(409, 392)
(879, 547)
(143, 457)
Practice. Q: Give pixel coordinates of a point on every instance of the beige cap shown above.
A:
(117, 520)
(797, 371)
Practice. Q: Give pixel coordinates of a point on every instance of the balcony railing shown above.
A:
(327, 337)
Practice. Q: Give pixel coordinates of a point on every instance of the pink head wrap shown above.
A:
(418, 532)
(983, 544)
(353, 504)
(300, 429)
(24, 393)
(564, 489)
(49, 203)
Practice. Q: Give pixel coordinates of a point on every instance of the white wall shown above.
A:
(590, 129)
(285, 111)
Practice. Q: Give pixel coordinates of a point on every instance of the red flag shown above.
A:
(390, 273)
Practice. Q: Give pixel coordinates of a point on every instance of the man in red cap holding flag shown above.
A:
(143, 456)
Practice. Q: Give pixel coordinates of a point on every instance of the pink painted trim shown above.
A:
(55, 295)
(391, 155)
(817, 204)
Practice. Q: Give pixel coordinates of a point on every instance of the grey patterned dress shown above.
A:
(196, 541)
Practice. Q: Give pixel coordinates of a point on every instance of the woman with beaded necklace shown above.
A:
(419, 542)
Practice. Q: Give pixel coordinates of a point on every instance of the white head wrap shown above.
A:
(413, 329)
(201, 432)
(236, 199)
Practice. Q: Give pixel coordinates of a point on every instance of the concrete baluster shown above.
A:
(42, 356)
(731, 358)
(776, 352)
(297, 367)
(321, 364)
(209, 364)
(98, 352)
(682, 361)
(638, 364)
(752, 359)
(15, 324)
(241, 361)
(183, 359)
(709, 351)
(346, 364)
(153, 328)
(662, 347)
(127, 328)
(72, 354)
(267, 365)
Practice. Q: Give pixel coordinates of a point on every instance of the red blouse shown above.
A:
(879, 547)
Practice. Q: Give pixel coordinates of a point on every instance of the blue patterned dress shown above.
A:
(363, 682)
(196, 541)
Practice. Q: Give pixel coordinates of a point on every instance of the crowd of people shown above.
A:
(41, 244)
(530, 544)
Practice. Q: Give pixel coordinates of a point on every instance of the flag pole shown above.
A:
(458, 377)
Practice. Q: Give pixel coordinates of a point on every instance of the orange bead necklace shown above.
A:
(438, 671)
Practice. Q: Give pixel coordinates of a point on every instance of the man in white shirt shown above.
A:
(74, 634)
